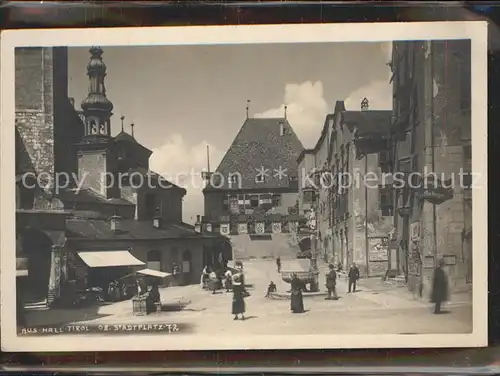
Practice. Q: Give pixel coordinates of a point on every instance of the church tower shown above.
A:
(97, 107)
(97, 158)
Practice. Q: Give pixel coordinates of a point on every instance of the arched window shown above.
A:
(154, 260)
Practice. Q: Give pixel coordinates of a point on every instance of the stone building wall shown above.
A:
(45, 119)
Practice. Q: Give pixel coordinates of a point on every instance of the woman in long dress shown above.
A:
(297, 301)
(237, 282)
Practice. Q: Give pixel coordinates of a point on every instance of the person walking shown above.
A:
(331, 283)
(297, 300)
(439, 292)
(353, 276)
(237, 281)
(278, 264)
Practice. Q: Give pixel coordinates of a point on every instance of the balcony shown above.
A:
(404, 211)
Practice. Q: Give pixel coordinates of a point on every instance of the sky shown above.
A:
(183, 98)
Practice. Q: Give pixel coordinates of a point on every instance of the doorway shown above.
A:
(38, 249)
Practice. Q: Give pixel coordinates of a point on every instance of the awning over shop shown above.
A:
(109, 258)
(153, 273)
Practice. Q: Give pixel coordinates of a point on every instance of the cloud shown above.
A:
(182, 164)
(306, 110)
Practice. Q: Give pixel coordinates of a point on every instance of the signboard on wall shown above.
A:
(378, 249)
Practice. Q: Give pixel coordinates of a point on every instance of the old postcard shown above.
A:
(244, 187)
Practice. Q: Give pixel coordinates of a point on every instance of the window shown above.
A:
(467, 151)
(150, 205)
(405, 165)
(465, 77)
(293, 182)
(385, 199)
(348, 155)
(385, 160)
(26, 197)
(254, 201)
(276, 201)
(260, 178)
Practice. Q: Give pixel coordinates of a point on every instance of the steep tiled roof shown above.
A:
(85, 228)
(368, 122)
(260, 144)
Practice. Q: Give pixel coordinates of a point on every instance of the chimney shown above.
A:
(115, 223)
(365, 105)
(282, 128)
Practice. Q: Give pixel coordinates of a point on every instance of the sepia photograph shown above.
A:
(244, 187)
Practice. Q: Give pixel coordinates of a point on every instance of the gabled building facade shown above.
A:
(253, 192)
(353, 219)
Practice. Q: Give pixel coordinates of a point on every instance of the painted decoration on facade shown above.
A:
(293, 226)
(209, 227)
(378, 249)
(242, 228)
(276, 227)
(224, 229)
(260, 228)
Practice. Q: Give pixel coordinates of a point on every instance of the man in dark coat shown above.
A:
(331, 283)
(439, 287)
(296, 299)
(278, 264)
(353, 277)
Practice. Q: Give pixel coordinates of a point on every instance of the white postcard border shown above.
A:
(310, 33)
